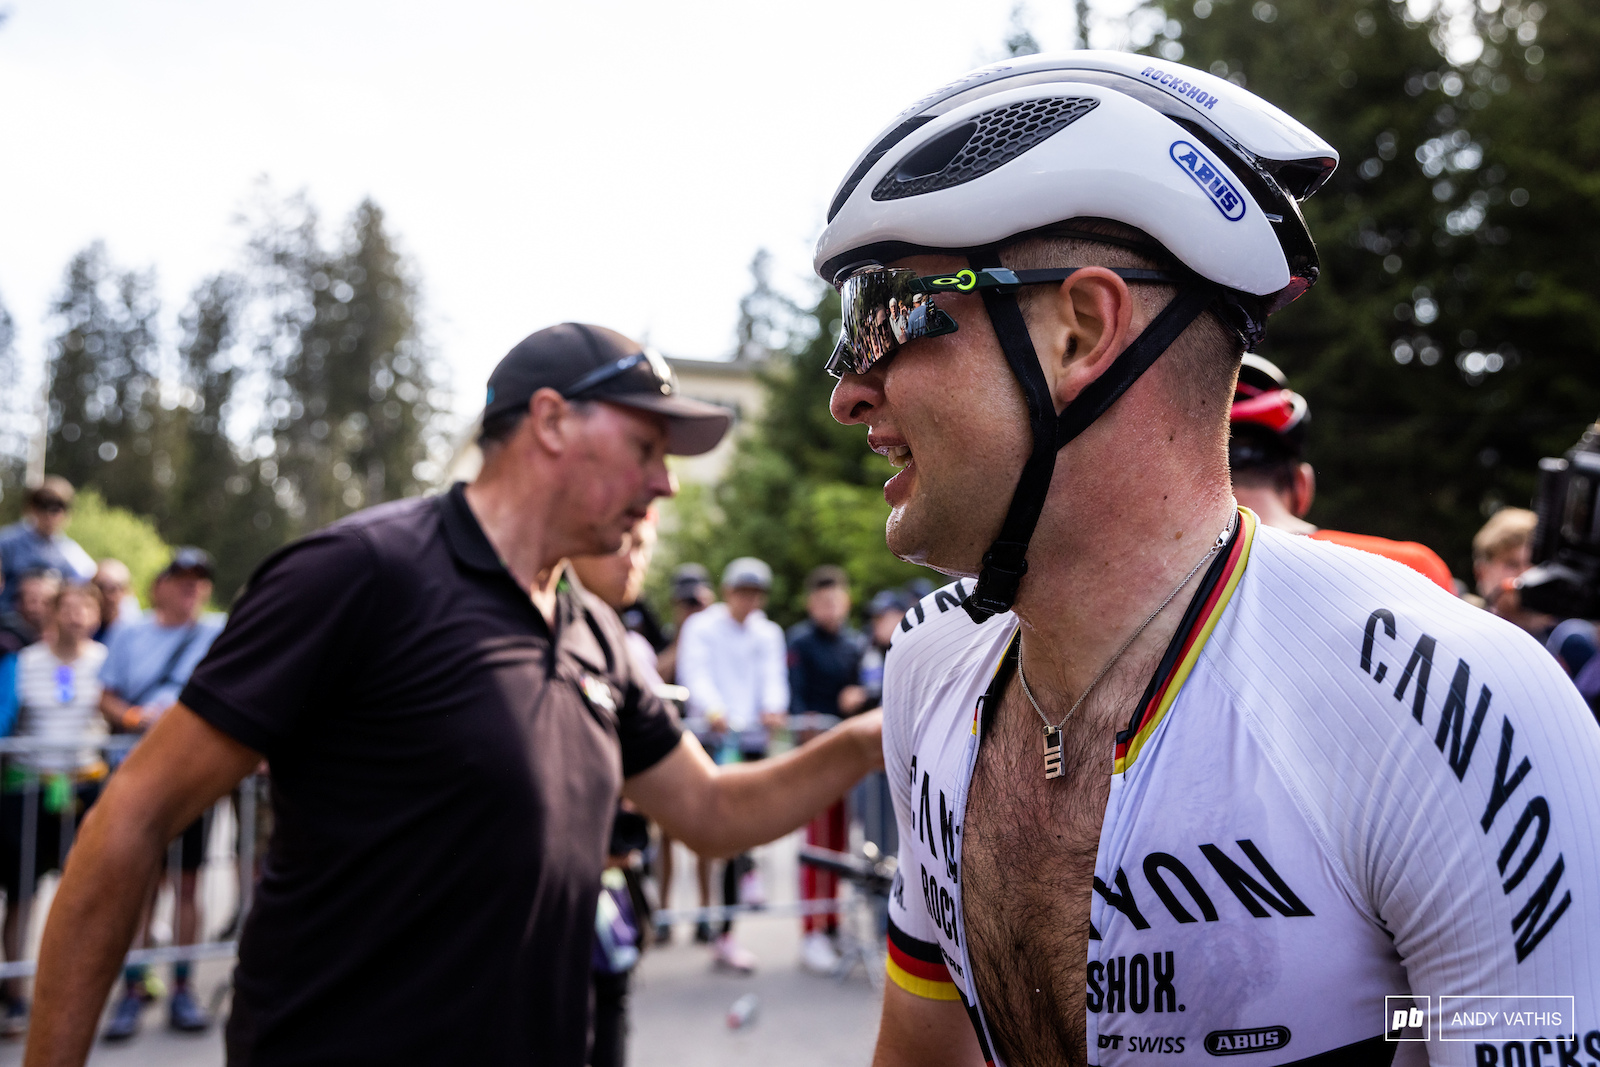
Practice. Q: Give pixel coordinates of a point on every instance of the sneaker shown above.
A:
(185, 1013)
(15, 1021)
(727, 954)
(817, 953)
(663, 933)
(752, 890)
(702, 933)
(124, 1018)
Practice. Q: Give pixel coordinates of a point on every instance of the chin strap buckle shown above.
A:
(1003, 567)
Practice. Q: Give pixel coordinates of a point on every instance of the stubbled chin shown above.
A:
(900, 535)
(904, 539)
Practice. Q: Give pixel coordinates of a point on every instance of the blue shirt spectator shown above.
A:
(37, 543)
(150, 660)
(149, 664)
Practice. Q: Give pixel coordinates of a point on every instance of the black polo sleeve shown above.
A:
(647, 727)
(296, 625)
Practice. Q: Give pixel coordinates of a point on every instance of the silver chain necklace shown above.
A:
(1052, 734)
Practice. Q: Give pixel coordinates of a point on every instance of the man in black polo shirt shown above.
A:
(449, 723)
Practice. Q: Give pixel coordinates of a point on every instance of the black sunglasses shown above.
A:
(660, 377)
(885, 308)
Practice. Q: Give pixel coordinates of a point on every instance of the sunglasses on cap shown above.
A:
(648, 368)
(886, 308)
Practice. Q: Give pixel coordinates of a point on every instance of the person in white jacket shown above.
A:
(734, 662)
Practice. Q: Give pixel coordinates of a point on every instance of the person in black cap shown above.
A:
(449, 722)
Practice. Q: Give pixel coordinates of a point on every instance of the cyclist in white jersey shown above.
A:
(1172, 785)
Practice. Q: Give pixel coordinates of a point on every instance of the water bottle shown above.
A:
(744, 1011)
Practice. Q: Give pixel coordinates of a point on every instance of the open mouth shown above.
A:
(898, 456)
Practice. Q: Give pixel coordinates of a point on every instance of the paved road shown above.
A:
(679, 1002)
(805, 1020)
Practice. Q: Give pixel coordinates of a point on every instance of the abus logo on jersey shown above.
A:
(1239, 1042)
(1208, 176)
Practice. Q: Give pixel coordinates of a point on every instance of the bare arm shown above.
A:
(721, 811)
(169, 779)
(917, 1032)
(115, 711)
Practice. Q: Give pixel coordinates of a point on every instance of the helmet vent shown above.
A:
(982, 144)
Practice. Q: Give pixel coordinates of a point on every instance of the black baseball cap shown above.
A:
(584, 362)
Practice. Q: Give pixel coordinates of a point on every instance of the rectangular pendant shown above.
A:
(1052, 753)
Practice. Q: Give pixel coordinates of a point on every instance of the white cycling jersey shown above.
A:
(1345, 794)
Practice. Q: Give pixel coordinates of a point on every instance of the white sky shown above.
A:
(615, 162)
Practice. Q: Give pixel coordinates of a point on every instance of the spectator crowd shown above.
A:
(85, 670)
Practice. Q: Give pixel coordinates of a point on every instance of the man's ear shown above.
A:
(547, 422)
(1305, 489)
(1079, 328)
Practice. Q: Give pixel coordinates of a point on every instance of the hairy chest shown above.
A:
(1028, 866)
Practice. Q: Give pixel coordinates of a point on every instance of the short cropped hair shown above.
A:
(1202, 364)
(500, 427)
(1506, 531)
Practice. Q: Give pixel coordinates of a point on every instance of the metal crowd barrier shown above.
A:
(863, 907)
(30, 790)
(20, 759)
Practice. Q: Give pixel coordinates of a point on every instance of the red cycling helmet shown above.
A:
(1272, 417)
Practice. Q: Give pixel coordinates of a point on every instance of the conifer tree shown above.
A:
(218, 494)
(381, 337)
(1448, 343)
(350, 408)
(105, 425)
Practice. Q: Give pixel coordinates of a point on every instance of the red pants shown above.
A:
(825, 831)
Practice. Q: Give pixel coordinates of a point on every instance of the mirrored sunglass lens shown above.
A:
(872, 317)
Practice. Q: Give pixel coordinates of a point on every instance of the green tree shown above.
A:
(219, 496)
(350, 406)
(105, 531)
(105, 424)
(801, 490)
(1448, 343)
(382, 339)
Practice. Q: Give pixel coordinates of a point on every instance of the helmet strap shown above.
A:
(1006, 561)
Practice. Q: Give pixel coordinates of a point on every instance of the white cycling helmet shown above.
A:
(1210, 171)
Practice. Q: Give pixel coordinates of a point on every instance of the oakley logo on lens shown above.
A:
(1208, 176)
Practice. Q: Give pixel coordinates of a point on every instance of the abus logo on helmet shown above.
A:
(1208, 176)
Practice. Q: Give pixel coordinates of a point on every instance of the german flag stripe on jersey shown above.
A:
(918, 967)
(1205, 609)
